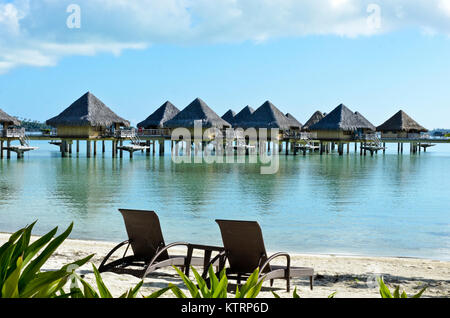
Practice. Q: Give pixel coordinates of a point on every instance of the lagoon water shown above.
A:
(385, 205)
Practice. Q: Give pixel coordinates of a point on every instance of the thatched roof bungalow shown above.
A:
(267, 116)
(7, 120)
(315, 118)
(195, 112)
(243, 116)
(229, 116)
(401, 125)
(342, 124)
(87, 117)
(295, 124)
(157, 119)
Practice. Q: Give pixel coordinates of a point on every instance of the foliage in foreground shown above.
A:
(216, 289)
(386, 293)
(21, 262)
(103, 292)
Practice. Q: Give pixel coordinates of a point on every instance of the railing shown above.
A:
(14, 133)
(153, 132)
(300, 135)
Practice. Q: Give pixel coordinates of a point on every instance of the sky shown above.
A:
(376, 57)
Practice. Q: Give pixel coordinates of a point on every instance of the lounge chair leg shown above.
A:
(311, 280)
(239, 279)
(271, 283)
(288, 284)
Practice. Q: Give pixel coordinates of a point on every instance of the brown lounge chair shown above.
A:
(149, 250)
(245, 251)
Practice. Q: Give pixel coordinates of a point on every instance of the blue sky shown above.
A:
(232, 63)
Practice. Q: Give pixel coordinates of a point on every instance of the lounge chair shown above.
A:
(245, 251)
(149, 250)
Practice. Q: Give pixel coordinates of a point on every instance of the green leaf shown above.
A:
(250, 283)
(221, 289)
(419, 294)
(177, 291)
(37, 245)
(332, 295)
(404, 295)
(254, 291)
(214, 281)
(295, 295)
(384, 291)
(397, 292)
(190, 285)
(102, 289)
(276, 295)
(158, 293)
(10, 288)
(37, 263)
(201, 284)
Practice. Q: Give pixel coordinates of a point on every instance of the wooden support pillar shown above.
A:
(268, 146)
(121, 151)
(78, 146)
(398, 148)
(63, 148)
(69, 145)
(384, 147)
(401, 148)
(294, 147)
(161, 147)
(321, 148)
(1, 149)
(113, 148)
(286, 147)
(365, 150)
(147, 151)
(341, 149)
(131, 153)
(88, 148)
(95, 148)
(8, 152)
(103, 146)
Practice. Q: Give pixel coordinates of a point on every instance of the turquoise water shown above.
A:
(386, 205)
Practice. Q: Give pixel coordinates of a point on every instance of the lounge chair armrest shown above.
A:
(165, 248)
(271, 258)
(111, 253)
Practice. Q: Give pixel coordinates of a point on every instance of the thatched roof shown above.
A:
(229, 116)
(243, 116)
(315, 118)
(342, 118)
(294, 122)
(401, 122)
(7, 119)
(195, 111)
(267, 116)
(88, 110)
(163, 114)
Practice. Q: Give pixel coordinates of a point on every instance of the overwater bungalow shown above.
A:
(295, 125)
(198, 112)
(88, 117)
(267, 116)
(243, 116)
(157, 120)
(401, 125)
(229, 116)
(315, 118)
(7, 121)
(342, 125)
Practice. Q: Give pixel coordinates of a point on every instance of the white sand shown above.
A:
(349, 276)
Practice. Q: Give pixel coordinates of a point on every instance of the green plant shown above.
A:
(21, 262)
(103, 292)
(216, 289)
(386, 293)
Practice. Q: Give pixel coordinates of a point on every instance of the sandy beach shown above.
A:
(348, 276)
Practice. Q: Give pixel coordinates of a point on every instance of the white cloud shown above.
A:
(34, 32)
